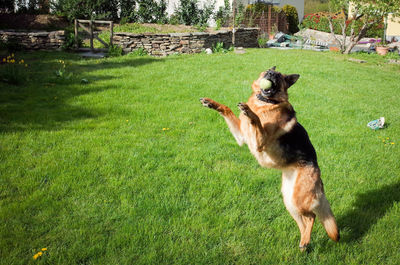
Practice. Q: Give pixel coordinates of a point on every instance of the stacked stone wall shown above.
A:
(41, 40)
(154, 44)
(166, 44)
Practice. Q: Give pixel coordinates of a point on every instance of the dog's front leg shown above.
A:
(231, 120)
(255, 121)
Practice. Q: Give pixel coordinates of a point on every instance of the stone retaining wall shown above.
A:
(165, 44)
(154, 44)
(41, 40)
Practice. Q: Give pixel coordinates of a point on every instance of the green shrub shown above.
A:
(128, 11)
(190, 13)
(262, 41)
(138, 52)
(69, 42)
(152, 11)
(219, 48)
(260, 7)
(174, 19)
(292, 18)
(114, 51)
(86, 9)
(223, 14)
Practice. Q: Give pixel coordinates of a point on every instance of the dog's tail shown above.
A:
(327, 219)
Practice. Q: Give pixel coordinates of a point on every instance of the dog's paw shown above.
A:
(244, 108)
(209, 103)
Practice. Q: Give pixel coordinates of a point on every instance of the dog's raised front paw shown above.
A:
(244, 108)
(209, 103)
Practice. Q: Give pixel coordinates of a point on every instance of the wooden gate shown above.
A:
(80, 23)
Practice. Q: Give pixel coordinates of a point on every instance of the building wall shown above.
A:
(393, 26)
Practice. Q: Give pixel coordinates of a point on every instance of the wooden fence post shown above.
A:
(76, 33)
(234, 21)
(111, 33)
(91, 35)
(269, 19)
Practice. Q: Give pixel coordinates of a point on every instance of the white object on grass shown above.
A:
(377, 124)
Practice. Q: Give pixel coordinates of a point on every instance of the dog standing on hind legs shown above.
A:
(268, 125)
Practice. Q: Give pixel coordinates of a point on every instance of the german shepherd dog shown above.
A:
(268, 125)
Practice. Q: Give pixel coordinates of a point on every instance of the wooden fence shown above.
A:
(80, 23)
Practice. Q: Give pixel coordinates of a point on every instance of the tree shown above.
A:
(364, 15)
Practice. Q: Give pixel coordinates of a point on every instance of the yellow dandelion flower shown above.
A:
(4, 60)
(12, 61)
(22, 61)
(391, 143)
(44, 249)
(165, 129)
(387, 138)
(37, 255)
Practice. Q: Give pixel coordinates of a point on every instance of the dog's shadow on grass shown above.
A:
(368, 208)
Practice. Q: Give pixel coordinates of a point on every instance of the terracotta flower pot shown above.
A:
(382, 50)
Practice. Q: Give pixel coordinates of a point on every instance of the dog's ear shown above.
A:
(291, 79)
(273, 68)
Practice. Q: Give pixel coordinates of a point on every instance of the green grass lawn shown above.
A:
(129, 168)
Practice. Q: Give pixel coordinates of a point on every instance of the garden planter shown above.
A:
(381, 50)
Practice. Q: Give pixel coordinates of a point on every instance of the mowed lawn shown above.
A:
(129, 168)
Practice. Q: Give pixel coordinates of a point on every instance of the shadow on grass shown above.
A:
(44, 103)
(368, 208)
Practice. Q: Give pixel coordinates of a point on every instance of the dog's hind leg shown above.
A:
(308, 221)
(232, 121)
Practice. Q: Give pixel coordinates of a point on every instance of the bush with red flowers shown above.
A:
(319, 21)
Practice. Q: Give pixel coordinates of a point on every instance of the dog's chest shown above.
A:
(266, 158)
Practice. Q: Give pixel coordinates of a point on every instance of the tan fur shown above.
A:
(259, 126)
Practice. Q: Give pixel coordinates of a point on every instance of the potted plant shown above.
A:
(273, 31)
(381, 48)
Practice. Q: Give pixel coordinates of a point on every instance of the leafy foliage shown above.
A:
(319, 21)
(189, 12)
(260, 7)
(114, 51)
(368, 13)
(223, 14)
(139, 52)
(292, 18)
(128, 11)
(219, 47)
(69, 42)
(262, 41)
(151, 11)
(86, 9)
